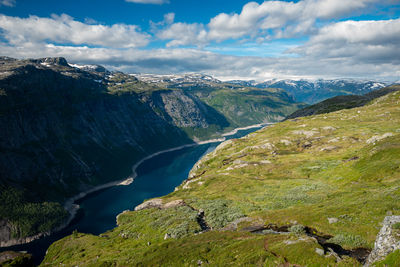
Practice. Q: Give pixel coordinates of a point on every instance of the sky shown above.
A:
(230, 39)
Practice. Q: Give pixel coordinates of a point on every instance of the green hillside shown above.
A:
(310, 191)
(342, 102)
(247, 106)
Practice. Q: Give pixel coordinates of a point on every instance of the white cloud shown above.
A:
(64, 29)
(158, 2)
(179, 60)
(169, 18)
(9, 3)
(266, 21)
(184, 34)
(359, 49)
(372, 41)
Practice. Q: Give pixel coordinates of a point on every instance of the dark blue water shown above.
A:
(156, 177)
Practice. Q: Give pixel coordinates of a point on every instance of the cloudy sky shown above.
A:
(230, 39)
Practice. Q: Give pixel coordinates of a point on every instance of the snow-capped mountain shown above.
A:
(313, 91)
(307, 91)
(178, 80)
(90, 68)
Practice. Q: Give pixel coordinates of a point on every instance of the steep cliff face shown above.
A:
(184, 110)
(241, 104)
(67, 133)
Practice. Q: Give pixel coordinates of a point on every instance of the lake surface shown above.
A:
(156, 177)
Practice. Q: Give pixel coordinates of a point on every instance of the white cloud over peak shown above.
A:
(183, 60)
(64, 29)
(330, 49)
(158, 2)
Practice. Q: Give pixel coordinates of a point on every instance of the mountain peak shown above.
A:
(54, 61)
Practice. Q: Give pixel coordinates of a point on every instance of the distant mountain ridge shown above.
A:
(342, 102)
(310, 92)
(306, 91)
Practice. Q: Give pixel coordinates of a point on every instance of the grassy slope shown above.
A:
(342, 102)
(251, 106)
(301, 183)
(332, 172)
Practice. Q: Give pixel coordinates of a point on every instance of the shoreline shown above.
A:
(72, 208)
(234, 131)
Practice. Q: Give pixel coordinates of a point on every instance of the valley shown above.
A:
(69, 129)
(199, 133)
(331, 175)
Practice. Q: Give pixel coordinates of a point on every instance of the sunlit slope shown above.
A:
(327, 179)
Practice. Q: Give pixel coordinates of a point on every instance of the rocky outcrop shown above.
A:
(377, 138)
(12, 258)
(5, 231)
(158, 203)
(6, 238)
(386, 241)
(185, 110)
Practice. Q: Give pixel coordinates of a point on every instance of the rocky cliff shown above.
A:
(64, 132)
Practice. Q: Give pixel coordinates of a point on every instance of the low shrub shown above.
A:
(348, 240)
(219, 212)
(396, 226)
(297, 229)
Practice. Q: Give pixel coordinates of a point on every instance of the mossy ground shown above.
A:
(343, 165)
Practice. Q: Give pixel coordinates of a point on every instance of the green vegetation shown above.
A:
(393, 259)
(341, 102)
(219, 212)
(15, 259)
(248, 106)
(348, 240)
(29, 218)
(297, 229)
(336, 173)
